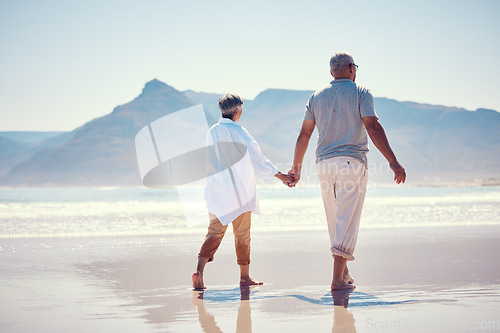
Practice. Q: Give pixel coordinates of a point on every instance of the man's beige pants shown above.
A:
(343, 186)
(216, 231)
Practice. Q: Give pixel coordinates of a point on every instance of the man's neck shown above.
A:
(342, 78)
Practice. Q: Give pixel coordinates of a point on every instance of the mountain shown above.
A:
(28, 136)
(16, 147)
(12, 153)
(209, 102)
(434, 143)
(102, 151)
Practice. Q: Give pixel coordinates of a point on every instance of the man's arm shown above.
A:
(379, 139)
(300, 149)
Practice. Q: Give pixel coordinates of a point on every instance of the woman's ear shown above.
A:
(236, 115)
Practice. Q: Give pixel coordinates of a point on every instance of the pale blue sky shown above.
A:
(65, 62)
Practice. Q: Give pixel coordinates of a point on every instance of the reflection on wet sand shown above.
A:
(343, 320)
(243, 321)
(206, 320)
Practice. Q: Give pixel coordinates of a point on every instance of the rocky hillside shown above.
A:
(435, 143)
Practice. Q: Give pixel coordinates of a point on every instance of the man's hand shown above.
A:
(287, 179)
(295, 172)
(377, 134)
(399, 172)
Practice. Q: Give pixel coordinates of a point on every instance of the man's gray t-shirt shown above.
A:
(338, 110)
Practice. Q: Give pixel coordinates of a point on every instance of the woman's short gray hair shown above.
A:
(340, 61)
(228, 103)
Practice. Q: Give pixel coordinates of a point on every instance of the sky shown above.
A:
(63, 63)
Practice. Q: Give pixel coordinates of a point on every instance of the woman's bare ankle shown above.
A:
(249, 281)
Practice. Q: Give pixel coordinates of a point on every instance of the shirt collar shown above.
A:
(340, 81)
(226, 121)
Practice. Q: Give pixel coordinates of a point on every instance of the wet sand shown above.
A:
(408, 280)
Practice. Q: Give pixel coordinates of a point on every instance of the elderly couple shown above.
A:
(343, 112)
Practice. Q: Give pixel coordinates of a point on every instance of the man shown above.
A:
(343, 112)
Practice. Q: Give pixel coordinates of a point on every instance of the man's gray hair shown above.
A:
(340, 61)
(228, 103)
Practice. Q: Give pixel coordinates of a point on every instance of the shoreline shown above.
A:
(450, 229)
(480, 182)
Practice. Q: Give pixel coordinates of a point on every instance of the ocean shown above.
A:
(98, 212)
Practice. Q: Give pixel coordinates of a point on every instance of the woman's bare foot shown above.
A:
(250, 282)
(342, 284)
(198, 281)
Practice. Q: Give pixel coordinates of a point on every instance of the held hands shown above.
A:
(287, 179)
(291, 178)
(295, 173)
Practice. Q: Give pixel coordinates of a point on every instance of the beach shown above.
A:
(409, 279)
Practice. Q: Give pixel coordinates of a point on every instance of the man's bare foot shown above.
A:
(342, 284)
(198, 281)
(348, 277)
(250, 282)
